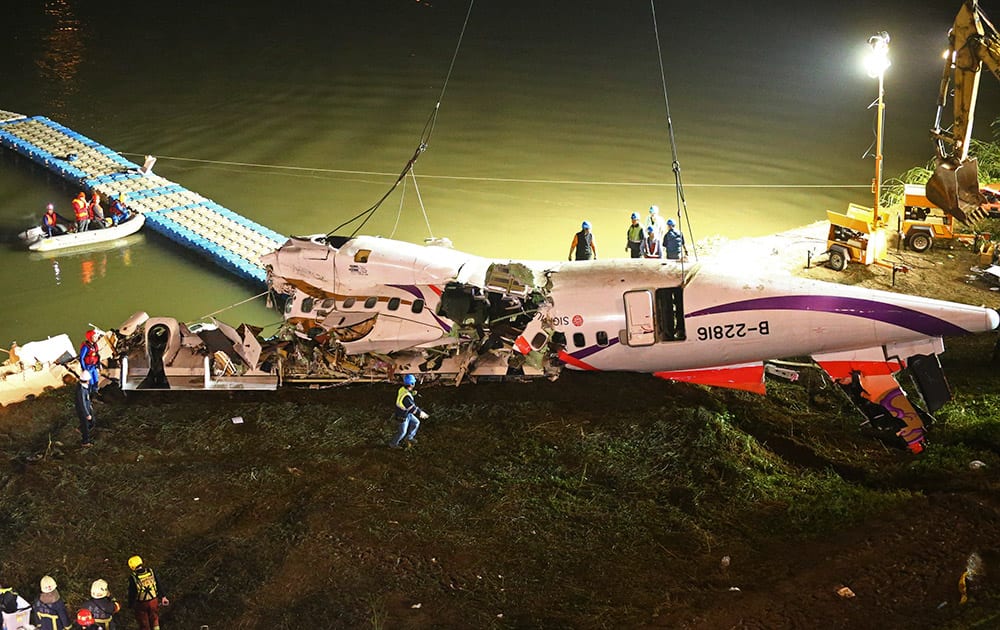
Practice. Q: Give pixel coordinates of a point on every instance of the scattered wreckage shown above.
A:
(34, 368)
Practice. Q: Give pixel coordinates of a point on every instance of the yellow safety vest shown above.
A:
(145, 583)
(400, 395)
(53, 618)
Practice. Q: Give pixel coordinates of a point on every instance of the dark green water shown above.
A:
(554, 113)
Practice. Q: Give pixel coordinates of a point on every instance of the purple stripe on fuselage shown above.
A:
(413, 290)
(853, 307)
(586, 352)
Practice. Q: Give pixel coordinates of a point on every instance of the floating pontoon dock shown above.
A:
(232, 241)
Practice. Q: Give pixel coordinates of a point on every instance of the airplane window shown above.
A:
(307, 305)
(327, 303)
(288, 306)
(538, 340)
(418, 306)
(362, 255)
(371, 302)
(602, 338)
(578, 340)
(393, 304)
(348, 302)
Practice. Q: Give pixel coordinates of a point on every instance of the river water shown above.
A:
(554, 113)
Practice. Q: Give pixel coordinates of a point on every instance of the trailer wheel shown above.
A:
(838, 258)
(919, 241)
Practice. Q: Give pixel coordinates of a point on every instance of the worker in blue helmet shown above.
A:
(673, 242)
(633, 237)
(583, 244)
(408, 414)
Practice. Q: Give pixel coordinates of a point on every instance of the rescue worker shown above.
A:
(651, 245)
(50, 611)
(634, 236)
(50, 221)
(408, 414)
(102, 606)
(145, 595)
(656, 222)
(81, 212)
(84, 619)
(673, 242)
(96, 212)
(14, 610)
(583, 244)
(119, 213)
(84, 409)
(90, 359)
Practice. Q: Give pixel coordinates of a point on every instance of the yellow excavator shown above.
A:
(972, 43)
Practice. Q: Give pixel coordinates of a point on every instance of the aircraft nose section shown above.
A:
(993, 318)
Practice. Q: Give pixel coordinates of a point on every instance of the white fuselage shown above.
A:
(634, 315)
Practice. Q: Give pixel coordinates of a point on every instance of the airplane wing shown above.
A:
(745, 376)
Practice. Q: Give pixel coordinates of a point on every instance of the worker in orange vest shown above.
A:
(81, 211)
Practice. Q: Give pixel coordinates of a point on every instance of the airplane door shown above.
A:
(639, 318)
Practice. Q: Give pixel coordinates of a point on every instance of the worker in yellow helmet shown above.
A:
(145, 595)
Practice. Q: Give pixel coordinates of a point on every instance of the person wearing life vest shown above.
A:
(145, 595)
(651, 245)
(50, 611)
(583, 244)
(81, 212)
(673, 242)
(118, 212)
(51, 221)
(90, 359)
(95, 211)
(408, 414)
(15, 612)
(633, 237)
(102, 606)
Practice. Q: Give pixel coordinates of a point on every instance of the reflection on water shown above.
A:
(61, 54)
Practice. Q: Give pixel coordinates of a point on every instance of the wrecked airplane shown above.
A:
(369, 308)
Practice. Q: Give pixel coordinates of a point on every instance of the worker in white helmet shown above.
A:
(102, 606)
(657, 222)
(50, 610)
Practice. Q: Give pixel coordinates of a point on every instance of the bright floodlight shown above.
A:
(878, 60)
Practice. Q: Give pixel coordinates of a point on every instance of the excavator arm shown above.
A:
(972, 43)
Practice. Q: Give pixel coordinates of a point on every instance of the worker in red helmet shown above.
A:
(90, 359)
(84, 619)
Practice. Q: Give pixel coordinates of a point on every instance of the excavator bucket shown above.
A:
(955, 189)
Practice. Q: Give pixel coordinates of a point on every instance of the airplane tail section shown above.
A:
(868, 378)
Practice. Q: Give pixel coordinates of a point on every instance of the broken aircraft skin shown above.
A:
(386, 307)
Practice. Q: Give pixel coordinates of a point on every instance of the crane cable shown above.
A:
(425, 138)
(682, 214)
